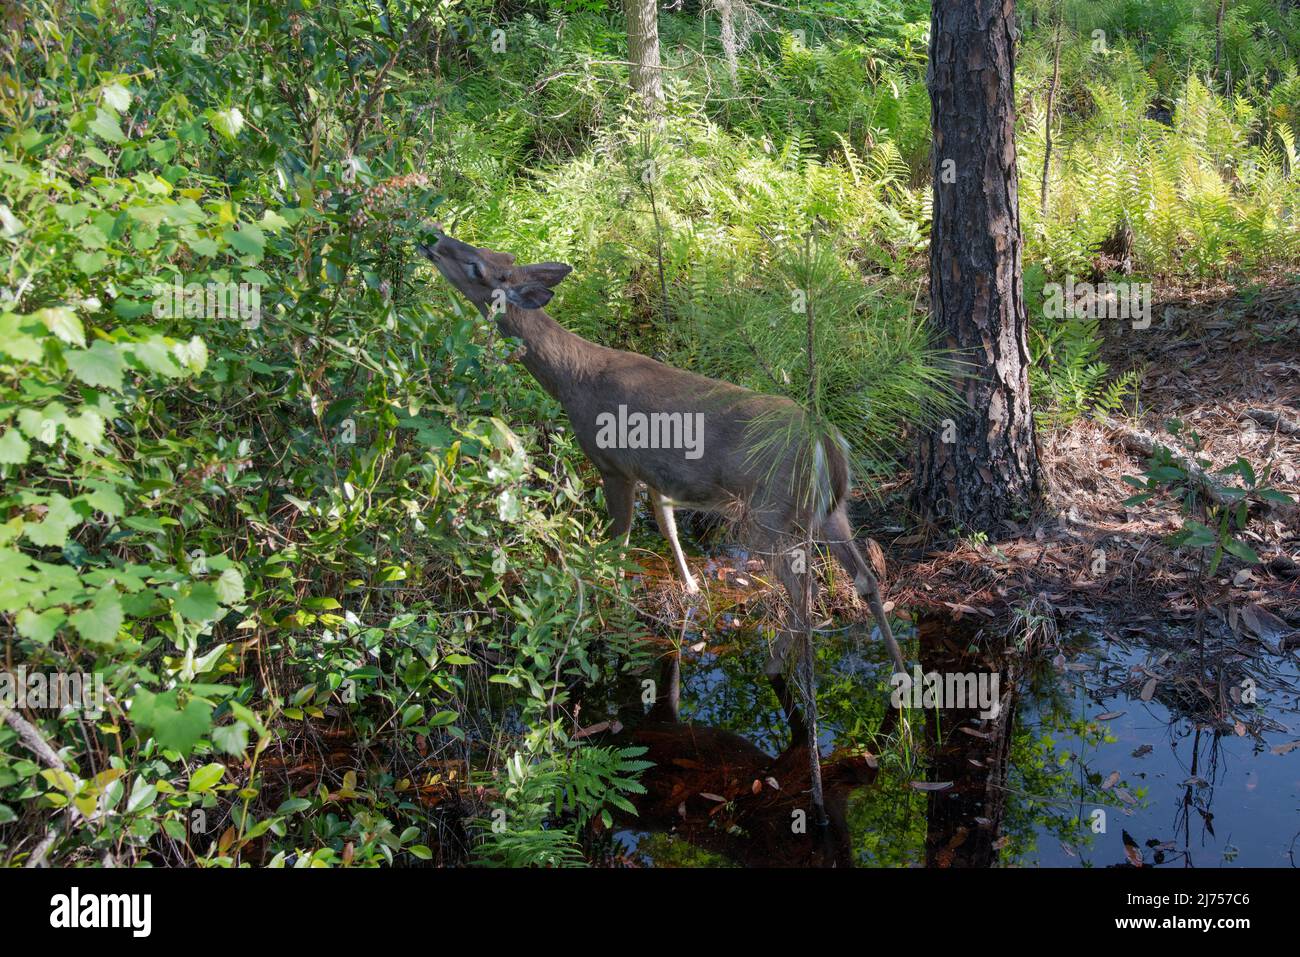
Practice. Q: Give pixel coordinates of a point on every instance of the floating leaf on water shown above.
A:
(1264, 623)
(1123, 795)
(1131, 849)
(1149, 690)
(713, 797)
(1286, 748)
(1109, 716)
(931, 785)
(1110, 781)
(1142, 750)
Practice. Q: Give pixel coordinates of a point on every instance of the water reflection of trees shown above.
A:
(712, 787)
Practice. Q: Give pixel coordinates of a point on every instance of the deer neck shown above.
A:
(556, 357)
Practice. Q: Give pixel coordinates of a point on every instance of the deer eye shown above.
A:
(475, 271)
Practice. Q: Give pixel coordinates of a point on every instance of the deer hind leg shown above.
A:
(791, 570)
(837, 535)
(620, 499)
(668, 528)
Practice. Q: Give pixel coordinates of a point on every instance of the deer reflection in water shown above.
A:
(719, 791)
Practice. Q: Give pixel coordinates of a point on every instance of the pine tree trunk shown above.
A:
(980, 466)
(728, 35)
(1218, 37)
(643, 52)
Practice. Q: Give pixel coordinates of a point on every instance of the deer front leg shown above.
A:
(668, 528)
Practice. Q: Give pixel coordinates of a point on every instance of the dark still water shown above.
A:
(1116, 746)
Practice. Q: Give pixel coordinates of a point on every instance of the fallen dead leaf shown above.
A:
(1264, 623)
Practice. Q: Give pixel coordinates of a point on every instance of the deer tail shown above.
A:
(830, 475)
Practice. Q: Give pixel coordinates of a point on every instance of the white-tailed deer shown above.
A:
(693, 441)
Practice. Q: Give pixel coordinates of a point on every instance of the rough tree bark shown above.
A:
(643, 52)
(980, 466)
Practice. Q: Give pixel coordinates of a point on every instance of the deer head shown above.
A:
(489, 279)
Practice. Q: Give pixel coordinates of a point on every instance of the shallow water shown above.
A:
(1077, 770)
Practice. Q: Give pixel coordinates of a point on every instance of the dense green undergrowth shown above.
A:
(261, 473)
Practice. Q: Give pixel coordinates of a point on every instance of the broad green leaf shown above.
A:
(248, 240)
(198, 602)
(227, 122)
(176, 728)
(1242, 551)
(63, 322)
(87, 428)
(100, 621)
(230, 587)
(106, 127)
(104, 499)
(116, 97)
(231, 738)
(15, 342)
(101, 365)
(13, 448)
(60, 519)
(42, 627)
(91, 262)
(206, 777)
(156, 355)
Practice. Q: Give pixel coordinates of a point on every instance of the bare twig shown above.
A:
(31, 736)
(1135, 440)
(1051, 102)
(1275, 420)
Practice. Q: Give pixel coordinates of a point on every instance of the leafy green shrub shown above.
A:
(264, 526)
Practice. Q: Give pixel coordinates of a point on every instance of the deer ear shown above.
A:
(529, 295)
(548, 274)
